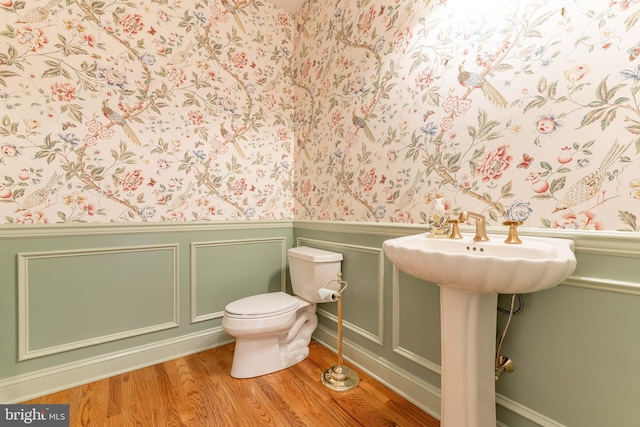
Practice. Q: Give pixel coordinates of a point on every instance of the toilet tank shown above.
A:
(311, 269)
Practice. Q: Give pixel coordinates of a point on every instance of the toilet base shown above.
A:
(255, 357)
(261, 355)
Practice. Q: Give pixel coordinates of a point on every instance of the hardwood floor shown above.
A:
(197, 390)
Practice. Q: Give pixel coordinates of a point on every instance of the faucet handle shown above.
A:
(455, 229)
(513, 238)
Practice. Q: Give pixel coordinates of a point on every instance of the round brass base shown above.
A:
(340, 378)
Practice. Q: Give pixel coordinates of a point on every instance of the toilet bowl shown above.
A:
(273, 330)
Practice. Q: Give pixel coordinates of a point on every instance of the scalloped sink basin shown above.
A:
(471, 275)
(484, 267)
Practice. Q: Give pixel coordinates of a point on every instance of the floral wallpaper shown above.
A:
(523, 110)
(367, 110)
(162, 110)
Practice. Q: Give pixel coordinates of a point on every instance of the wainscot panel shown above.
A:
(228, 270)
(362, 301)
(74, 299)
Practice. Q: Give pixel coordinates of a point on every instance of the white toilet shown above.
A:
(273, 330)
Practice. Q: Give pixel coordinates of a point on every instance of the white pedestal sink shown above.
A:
(471, 275)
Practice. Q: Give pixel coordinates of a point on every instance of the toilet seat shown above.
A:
(262, 305)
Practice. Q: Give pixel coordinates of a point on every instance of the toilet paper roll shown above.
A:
(327, 295)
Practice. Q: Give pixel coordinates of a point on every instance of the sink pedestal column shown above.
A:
(468, 327)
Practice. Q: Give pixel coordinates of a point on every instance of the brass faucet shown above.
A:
(481, 225)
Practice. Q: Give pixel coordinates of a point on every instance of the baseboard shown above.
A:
(415, 390)
(39, 383)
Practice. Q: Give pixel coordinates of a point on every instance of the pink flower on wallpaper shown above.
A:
(93, 126)
(283, 19)
(269, 101)
(31, 218)
(90, 140)
(176, 75)
(306, 188)
(9, 150)
(176, 217)
(424, 79)
(547, 125)
(584, 220)
(98, 130)
(196, 117)
(484, 59)
(622, 4)
(367, 20)
(494, 163)
(89, 209)
(217, 16)
(455, 105)
(447, 123)
(239, 187)
(336, 117)
(305, 69)
(131, 24)
(239, 60)
(403, 39)
(283, 134)
(63, 92)
(369, 180)
(32, 38)
(90, 39)
(131, 180)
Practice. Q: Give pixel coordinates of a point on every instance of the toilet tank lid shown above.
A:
(314, 254)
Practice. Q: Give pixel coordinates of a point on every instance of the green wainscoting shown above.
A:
(83, 302)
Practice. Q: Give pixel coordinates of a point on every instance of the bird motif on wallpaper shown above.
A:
(273, 84)
(231, 8)
(590, 185)
(181, 56)
(38, 13)
(179, 201)
(361, 123)
(477, 81)
(229, 137)
(119, 120)
(407, 197)
(39, 196)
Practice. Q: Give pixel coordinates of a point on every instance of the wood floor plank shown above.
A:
(198, 391)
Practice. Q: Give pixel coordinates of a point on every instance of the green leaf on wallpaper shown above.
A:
(557, 184)
(542, 85)
(592, 116)
(634, 129)
(6, 73)
(10, 33)
(629, 219)
(53, 71)
(608, 118)
(506, 190)
(537, 102)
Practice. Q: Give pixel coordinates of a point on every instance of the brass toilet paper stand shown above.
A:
(340, 377)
